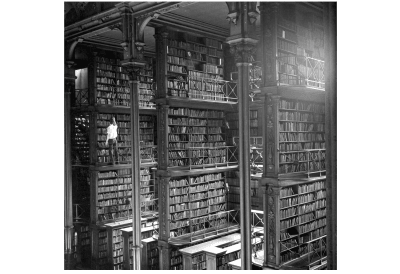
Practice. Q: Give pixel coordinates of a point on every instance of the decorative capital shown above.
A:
(252, 13)
(232, 17)
(133, 72)
(253, 16)
(242, 51)
(124, 45)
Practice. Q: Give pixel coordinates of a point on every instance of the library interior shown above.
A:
(200, 136)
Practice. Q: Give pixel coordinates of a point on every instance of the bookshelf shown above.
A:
(301, 137)
(124, 138)
(194, 68)
(148, 137)
(300, 235)
(300, 48)
(147, 86)
(192, 197)
(111, 83)
(112, 194)
(196, 138)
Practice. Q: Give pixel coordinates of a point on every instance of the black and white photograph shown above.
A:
(200, 135)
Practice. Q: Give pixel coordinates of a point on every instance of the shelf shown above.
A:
(286, 51)
(287, 40)
(308, 122)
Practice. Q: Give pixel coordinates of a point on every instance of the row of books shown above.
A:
(301, 146)
(126, 180)
(312, 187)
(311, 226)
(301, 137)
(203, 76)
(301, 116)
(302, 105)
(286, 213)
(300, 126)
(178, 207)
(176, 60)
(212, 69)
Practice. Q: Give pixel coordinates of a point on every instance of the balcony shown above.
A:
(210, 89)
(295, 70)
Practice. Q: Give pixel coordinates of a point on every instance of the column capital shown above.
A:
(242, 49)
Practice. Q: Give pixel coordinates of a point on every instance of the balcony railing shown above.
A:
(311, 162)
(297, 70)
(148, 154)
(210, 89)
(81, 98)
(202, 157)
(80, 213)
(257, 228)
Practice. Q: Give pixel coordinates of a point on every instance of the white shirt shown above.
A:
(112, 132)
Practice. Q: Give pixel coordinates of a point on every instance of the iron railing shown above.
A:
(308, 161)
(210, 89)
(301, 71)
(80, 213)
(214, 224)
(148, 154)
(257, 229)
(81, 98)
(202, 157)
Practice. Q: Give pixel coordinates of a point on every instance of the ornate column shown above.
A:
(133, 61)
(161, 66)
(331, 131)
(163, 220)
(271, 157)
(162, 136)
(269, 42)
(69, 87)
(271, 226)
(242, 43)
(135, 137)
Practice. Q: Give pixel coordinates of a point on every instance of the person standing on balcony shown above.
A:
(112, 135)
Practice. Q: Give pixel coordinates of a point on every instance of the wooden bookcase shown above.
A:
(192, 197)
(196, 138)
(301, 128)
(192, 102)
(300, 47)
(300, 223)
(295, 180)
(147, 85)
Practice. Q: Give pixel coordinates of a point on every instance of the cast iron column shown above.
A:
(133, 61)
(243, 16)
(331, 131)
(69, 86)
(136, 220)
